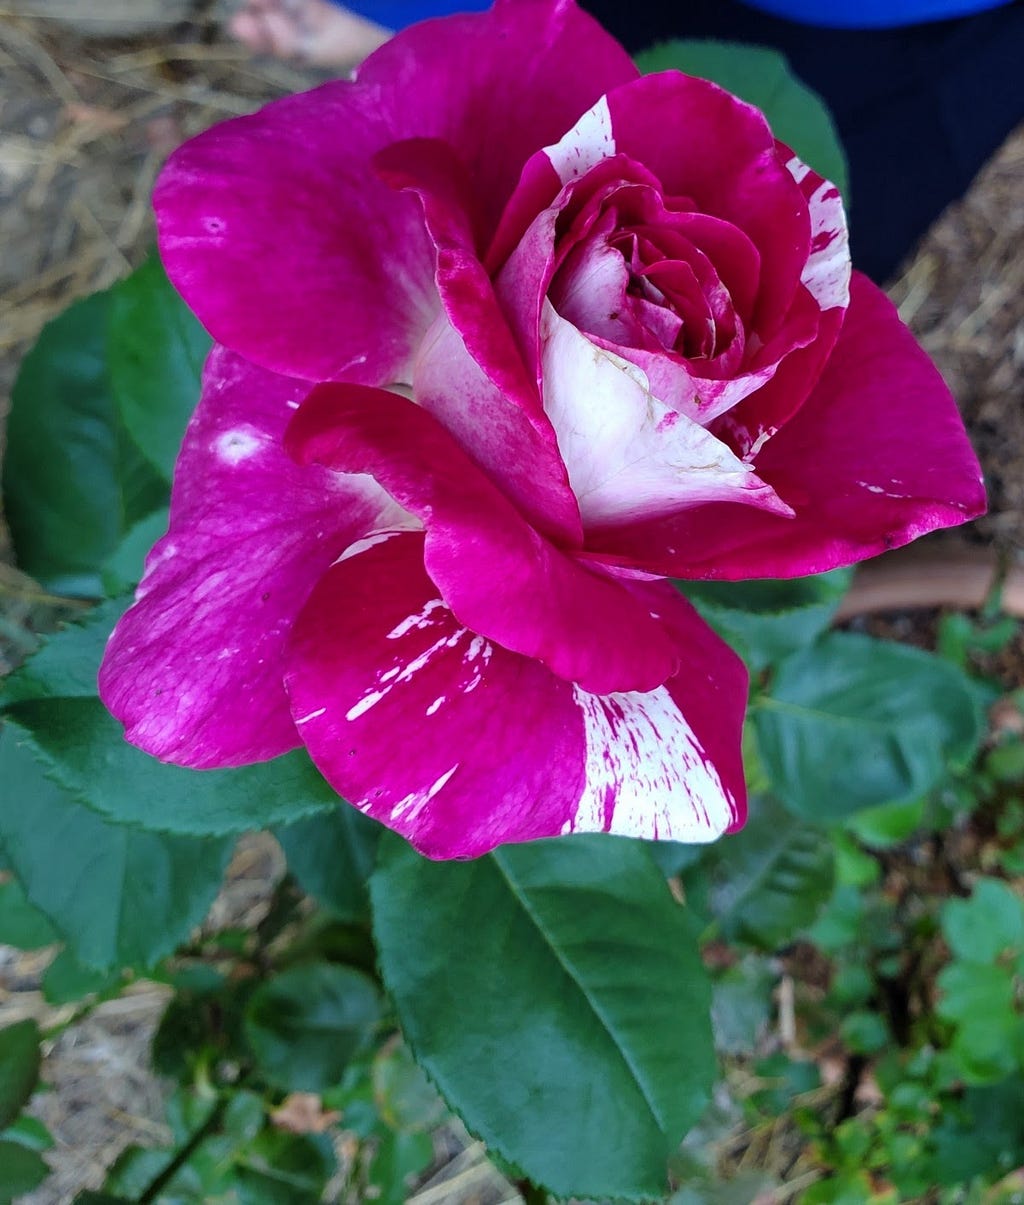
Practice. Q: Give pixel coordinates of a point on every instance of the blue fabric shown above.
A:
(397, 14)
(839, 14)
(871, 14)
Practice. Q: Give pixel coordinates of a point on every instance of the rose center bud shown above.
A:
(636, 281)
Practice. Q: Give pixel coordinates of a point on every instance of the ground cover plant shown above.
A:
(277, 1037)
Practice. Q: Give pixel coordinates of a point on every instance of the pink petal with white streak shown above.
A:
(460, 745)
(500, 577)
(194, 669)
(629, 455)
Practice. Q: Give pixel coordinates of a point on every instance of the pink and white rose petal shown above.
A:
(507, 333)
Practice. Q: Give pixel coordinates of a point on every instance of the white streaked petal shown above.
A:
(826, 275)
(646, 773)
(628, 454)
(590, 141)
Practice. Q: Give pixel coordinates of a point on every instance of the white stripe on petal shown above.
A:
(590, 141)
(630, 456)
(826, 274)
(646, 773)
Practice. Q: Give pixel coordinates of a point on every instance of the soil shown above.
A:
(89, 109)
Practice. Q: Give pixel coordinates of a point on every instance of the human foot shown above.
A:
(316, 31)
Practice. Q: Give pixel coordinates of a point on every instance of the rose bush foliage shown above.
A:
(506, 336)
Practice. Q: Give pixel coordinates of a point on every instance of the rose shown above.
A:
(506, 334)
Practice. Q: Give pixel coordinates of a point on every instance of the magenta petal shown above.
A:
(422, 724)
(516, 449)
(499, 576)
(470, 373)
(876, 457)
(194, 669)
(461, 746)
(275, 230)
(496, 85)
(725, 160)
(280, 237)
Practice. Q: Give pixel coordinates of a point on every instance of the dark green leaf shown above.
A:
(770, 880)
(762, 77)
(67, 981)
(741, 1005)
(783, 1078)
(555, 994)
(67, 664)
(855, 722)
(82, 747)
(988, 1134)
(19, 1068)
(21, 925)
(157, 349)
(201, 1026)
(73, 481)
(305, 1025)
(21, 1170)
(768, 620)
(120, 897)
(331, 855)
(282, 1169)
(399, 1157)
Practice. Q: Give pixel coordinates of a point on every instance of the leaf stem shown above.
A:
(182, 1156)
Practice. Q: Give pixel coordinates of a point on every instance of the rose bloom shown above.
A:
(507, 335)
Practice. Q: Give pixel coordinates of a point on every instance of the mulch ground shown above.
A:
(85, 123)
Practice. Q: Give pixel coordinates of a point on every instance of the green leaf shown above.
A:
(397, 1160)
(768, 620)
(282, 1169)
(855, 722)
(741, 1005)
(988, 1134)
(67, 981)
(331, 855)
(82, 748)
(157, 349)
(770, 880)
(53, 710)
(888, 824)
(73, 481)
(67, 664)
(782, 1079)
(980, 999)
(21, 925)
(21, 1170)
(555, 994)
(305, 1025)
(990, 923)
(29, 1131)
(120, 897)
(865, 1032)
(404, 1097)
(19, 1068)
(762, 77)
(202, 1024)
